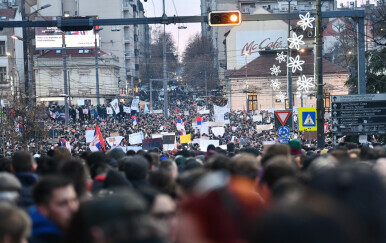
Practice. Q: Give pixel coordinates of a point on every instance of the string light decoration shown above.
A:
(275, 84)
(305, 84)
(295, 41)
(281, 57)
(275, 70)
(306, 21)
(295, 63)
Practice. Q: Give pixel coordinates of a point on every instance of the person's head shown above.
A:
(169, 166)
(275, 150)
(162, 181)
(9, 187)
(78, 173)
(62, 153)
(277, 168)
(121, 217)
(136, 167)
(15, 225)
(56, 199)
(244, 165)
(23, 161)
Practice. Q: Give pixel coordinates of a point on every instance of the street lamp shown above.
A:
(96, 64)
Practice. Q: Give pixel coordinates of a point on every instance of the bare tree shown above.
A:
(22, 125)
(198, 62)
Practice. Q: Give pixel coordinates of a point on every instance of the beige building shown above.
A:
(250, 86)
(127, 43)
(81, 76)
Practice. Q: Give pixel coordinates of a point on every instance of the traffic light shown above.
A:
(76, 28)
(224, 18)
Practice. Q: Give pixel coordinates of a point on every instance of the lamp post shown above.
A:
(96, 65)
(246, 77)
(27, 48)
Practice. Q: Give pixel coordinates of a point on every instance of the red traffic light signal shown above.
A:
(224, 18)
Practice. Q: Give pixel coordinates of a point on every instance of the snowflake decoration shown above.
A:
(304, 83)
(299, 94)
(295, 63)
(295, 41)
(306, 21)
(275, 70)
(282, 96)
(275, 84)
(281, 57)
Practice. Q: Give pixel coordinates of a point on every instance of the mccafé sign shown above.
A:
(255, 46)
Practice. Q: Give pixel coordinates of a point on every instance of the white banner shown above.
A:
(109, 110)
(257, 118)
(203, 112)
(204, 144)
(221, 114)
(218, 131)
(204, 129)
(260, 128)
(80, 102)
(134, 104)
(114, 141)
(135, 138)
(186, 113)
(115, 106)
(216, 124)
(89, 135)
(158, 111)
(126, 109)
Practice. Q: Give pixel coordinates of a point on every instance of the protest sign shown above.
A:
(186, 113)
(185, 138)
(148, 144)
(221, 114)
(134, 104)
(135, 138)
(109, 111)
(216, 124)
(126, 109)
(114, 104)
(85, 111)
(169, 139)
(114, 141)
(218, 131)
(261, 128)
(205, 143)
(204, 129)
(89, 135)
(80, 102)
(158, 111)
(202, 112)
(257, 118)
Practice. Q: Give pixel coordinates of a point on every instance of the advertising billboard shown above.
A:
(51, 37)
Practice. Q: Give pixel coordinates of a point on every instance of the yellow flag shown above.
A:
(185, 138)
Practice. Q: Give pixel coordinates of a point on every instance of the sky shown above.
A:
(153, 8)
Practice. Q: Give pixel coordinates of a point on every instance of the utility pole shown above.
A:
(165, 81)
(69, 87)
(151, 96)
(319, 76)
(66, 111)
(25, 47)
(206, 91)
(289, 74)
(96, 66)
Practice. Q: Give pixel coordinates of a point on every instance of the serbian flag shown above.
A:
(135, 120)
(97, 143)
(199, 120)
(63, 142)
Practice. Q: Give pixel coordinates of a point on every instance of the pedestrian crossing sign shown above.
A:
(307, 119)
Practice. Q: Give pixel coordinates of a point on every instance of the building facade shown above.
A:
(126, 43)
(81, 74)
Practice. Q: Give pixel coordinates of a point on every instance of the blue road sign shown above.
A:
(283, 132)
(284, 140)
(309, 119)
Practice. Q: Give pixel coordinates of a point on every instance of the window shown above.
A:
(252, 102)
(136, 67)
(84, 81)
(55, 81)
(3, 52)
(3, 74)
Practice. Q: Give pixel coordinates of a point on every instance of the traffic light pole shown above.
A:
(319, 76)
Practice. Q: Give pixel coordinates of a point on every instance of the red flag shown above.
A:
(99, 134)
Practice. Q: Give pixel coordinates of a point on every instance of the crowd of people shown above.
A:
(283, 194)
(240, 192)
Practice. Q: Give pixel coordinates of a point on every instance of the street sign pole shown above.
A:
(319, 76)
